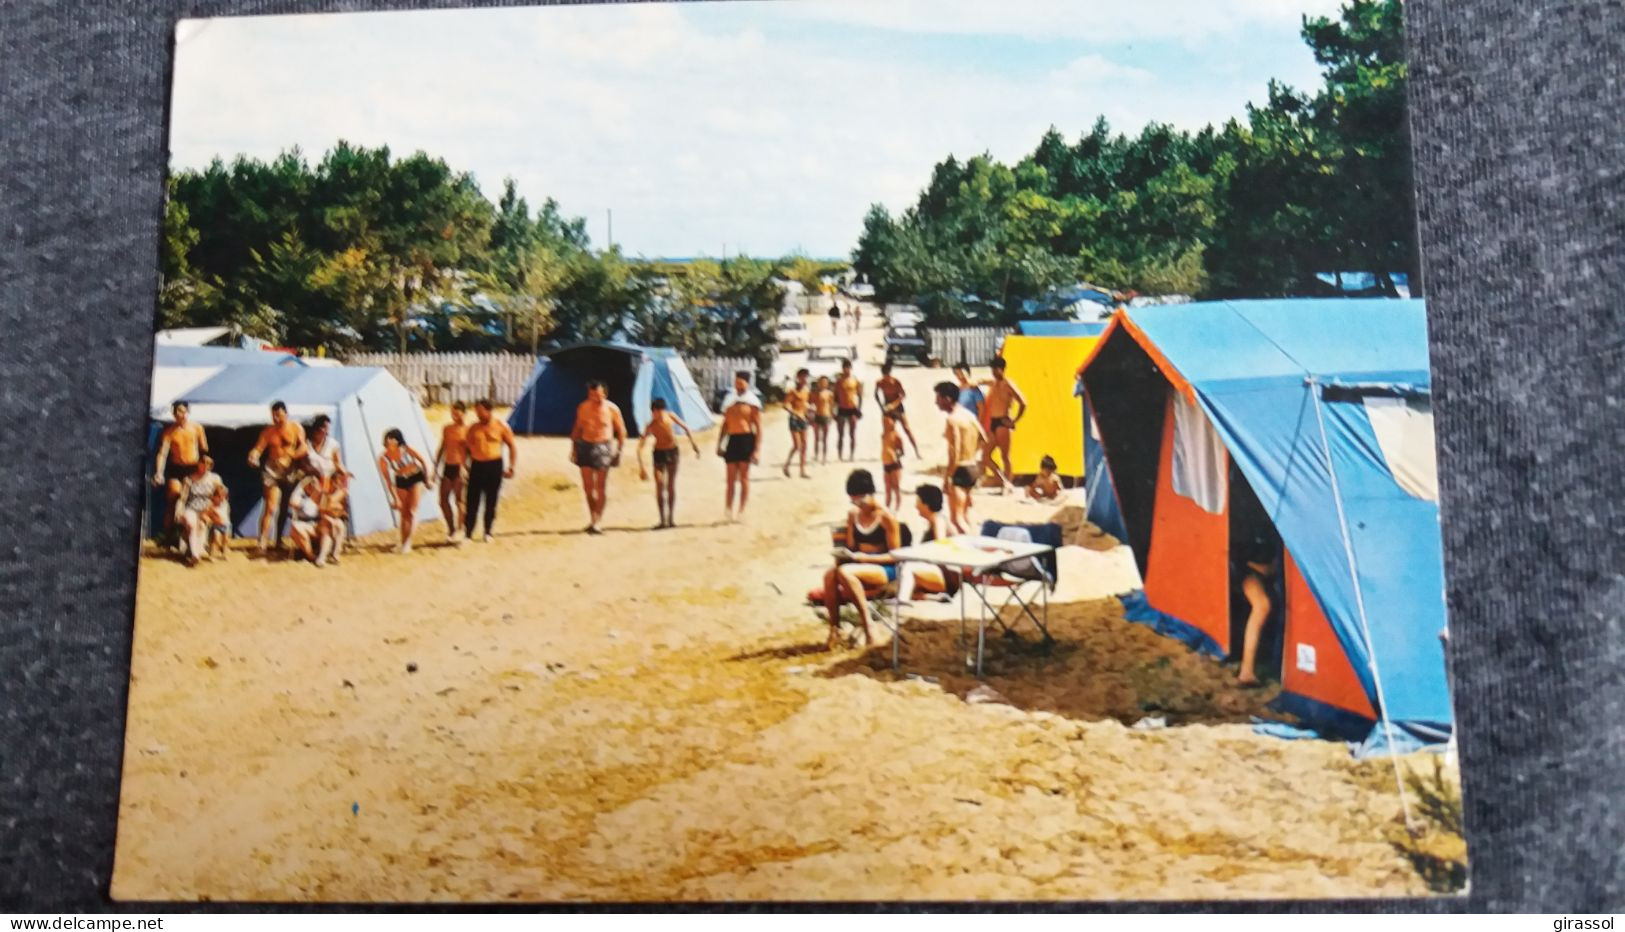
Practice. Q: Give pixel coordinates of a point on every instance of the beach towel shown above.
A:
(733, 397)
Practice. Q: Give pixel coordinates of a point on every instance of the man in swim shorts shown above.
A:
(737, 441)
(280, 445)
(596, 442)
(848, 408)
(1001, 397)
(889, 395)
(798, 402)
(451, 461)
(180, 447)
(964, 468)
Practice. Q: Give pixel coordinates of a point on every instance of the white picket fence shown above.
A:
(971, 346)
(715, 374)
(442, 378)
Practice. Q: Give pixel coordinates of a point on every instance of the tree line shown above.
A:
(1305, 184)
(363, 250)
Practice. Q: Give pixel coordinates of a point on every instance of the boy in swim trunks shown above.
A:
(450, 461)
(823, 412)
(737, 441)
(964, 469)
(596, 442)
(280, 445)
(798, 401)
(1001, 397)
(889, 395)
(180, 447)
(891, 460)
(1046, 486)
(662, 428)
(848, 408)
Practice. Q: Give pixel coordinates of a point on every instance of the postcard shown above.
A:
(786, 451)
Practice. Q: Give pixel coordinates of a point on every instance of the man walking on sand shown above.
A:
(889, 395)
(848, 409)
(798, 401)
(484, 441)
(279, 447)
(964, 468)
(450, 461)
(662, 428)
(737, 442)
(1001, 397)
(596, 442)
(180, 448)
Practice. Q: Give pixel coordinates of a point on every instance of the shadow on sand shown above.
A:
(1098, 667)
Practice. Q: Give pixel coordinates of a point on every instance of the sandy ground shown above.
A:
(643, 716)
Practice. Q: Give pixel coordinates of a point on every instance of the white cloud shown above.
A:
(696, 136)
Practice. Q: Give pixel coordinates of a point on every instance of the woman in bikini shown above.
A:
(405, 471)
(865, 562)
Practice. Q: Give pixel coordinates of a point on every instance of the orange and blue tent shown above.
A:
(1307, 422)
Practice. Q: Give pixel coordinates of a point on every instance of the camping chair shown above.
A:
(883, 597)
(1042, 571)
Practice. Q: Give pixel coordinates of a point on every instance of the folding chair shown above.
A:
(1042, 571)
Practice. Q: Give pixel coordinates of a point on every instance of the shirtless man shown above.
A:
(889, 395)
(1001, 396)
(662, 429)
(965, 441)
(595, 445)
(451, 462)
(823, 398)
(738, 441)
(798, 401)
(180, 447)
(848, 408)
(280, 446)
(484, 440)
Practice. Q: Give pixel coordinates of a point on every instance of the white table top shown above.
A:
(970, 551)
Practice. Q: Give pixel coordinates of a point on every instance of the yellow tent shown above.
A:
(1045, 369)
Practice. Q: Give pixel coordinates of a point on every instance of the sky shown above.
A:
(764, 127)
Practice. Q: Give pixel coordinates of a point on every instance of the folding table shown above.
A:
(972, 555)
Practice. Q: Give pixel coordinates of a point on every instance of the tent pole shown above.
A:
(1359, 602)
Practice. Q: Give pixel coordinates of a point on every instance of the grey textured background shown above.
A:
(1520, 135)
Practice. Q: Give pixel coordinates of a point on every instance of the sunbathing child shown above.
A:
(663, 427)
(218, 519)
(823, 412)
(891, 459)
(1047, 486)
(333, 523)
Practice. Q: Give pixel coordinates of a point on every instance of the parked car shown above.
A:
(905, 342)
(900, 315)
(826, 359)
(791, 334)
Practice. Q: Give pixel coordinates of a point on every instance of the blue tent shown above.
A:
(635, 375)
(1322, 408)
(1061, 328)
(233, 404)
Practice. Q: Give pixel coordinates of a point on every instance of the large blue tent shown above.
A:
(233, 401)
(1061, 328)
(635, 376)
(1322, 408)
